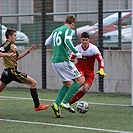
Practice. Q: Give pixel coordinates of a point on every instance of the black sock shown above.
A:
(34, 95)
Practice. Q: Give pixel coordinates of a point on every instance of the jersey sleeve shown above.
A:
(49, 40)
(68, 40)
(5, 47)
(99, 57)
(2, 49)
(100, 60)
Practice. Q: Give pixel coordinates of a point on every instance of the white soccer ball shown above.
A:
(82, 107)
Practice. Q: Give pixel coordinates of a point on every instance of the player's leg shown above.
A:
(61, 93)
(5, 79)
(25, 79)
(56, 105)
(59, 69)
(2, 86)
(33, 91)
(78, 81)
(79, 94)
(67, 71)
(71, 91)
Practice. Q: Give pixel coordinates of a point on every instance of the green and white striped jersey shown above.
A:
(61, 40)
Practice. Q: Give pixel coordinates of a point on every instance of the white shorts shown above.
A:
(66, 71)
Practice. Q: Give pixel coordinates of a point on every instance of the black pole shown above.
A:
(43, 46)
(0, 30)
(100, 38)
(119, 30)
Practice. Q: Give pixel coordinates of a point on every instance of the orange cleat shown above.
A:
(42, 107)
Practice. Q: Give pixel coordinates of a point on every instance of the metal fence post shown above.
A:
(100, 38)
(119, 29)
(0, 30)
(44, 80)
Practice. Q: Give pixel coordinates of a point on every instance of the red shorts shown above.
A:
(89, 77)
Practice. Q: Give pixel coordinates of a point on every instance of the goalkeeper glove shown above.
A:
(101, 72)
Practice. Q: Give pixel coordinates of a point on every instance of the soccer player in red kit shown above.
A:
(86, 64)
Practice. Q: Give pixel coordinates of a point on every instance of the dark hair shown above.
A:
(9, 31)
(70, 19)
(85, 35)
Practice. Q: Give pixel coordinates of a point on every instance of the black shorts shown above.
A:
(11, 74)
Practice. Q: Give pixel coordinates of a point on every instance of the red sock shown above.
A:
(77, 96)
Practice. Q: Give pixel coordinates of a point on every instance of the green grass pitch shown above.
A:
(108, 113)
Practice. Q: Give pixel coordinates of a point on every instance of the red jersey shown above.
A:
(86, 63)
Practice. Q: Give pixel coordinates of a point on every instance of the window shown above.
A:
(16, 7)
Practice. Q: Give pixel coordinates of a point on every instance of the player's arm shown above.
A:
(101, 64)
(6, 54)
(3, 52)
(72, 57)
(68, 41)
(49, 40)
(69, 44)
(29, 50)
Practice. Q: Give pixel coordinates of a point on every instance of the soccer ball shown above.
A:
(82, 107)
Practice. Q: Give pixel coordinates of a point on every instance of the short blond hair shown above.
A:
(70, 19)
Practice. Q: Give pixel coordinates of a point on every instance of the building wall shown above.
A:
(35, 6)
(88, 5)
(16, 7)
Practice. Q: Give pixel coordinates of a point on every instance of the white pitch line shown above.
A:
(23, 98)
(122, 105)
(67, 126)
(50, 100)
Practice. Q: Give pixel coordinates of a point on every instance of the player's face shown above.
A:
(13, 37)
(72, 25)
(85, 42)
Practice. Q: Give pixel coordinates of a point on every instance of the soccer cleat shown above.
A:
(67, 107)
(56, 110)
(41, 107)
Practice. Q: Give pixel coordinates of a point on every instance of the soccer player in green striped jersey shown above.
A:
(61, 40)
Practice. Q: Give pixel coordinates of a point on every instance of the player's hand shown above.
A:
(10, 54)
(101, 72)
(72, 60)
(31, 48)
(79, 55)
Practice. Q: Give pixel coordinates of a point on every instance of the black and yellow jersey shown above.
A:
(9, 47)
